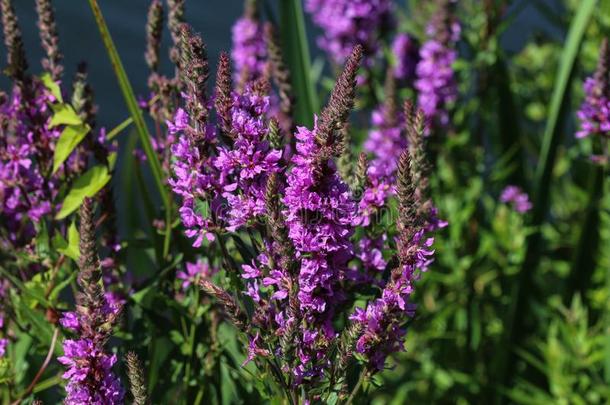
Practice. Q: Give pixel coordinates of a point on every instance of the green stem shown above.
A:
(352, 395)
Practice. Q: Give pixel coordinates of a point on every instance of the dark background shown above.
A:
(126, 19)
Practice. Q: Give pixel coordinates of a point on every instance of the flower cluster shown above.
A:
(406, 56)
(246, 165)
(517, 198)
(346, 23)
(194, 272)
(90, 376)
(26, 151)
(594, 113)
(249, 52)
(309, 266)
(436, 84)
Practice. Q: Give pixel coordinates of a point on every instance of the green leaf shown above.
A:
(52, 86)
(69, 139)
(69, 247)
(64, 114)
(296, 51)
(85, 186)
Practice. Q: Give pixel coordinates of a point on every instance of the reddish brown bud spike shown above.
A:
(336, 113)
(224, 85)
(49, 38)
(154, 28)
(17, 63)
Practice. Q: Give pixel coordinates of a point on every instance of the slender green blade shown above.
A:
(296, 51)
(136, 114)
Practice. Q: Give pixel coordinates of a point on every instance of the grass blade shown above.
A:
(586, 257)
(296, 51)
(136, 115)
(515, 323)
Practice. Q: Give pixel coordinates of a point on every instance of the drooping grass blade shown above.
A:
(136, 115)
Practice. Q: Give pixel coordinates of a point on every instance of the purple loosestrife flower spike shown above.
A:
(319, 213)
(249, 52)
(407, 201)
(224, 100)
(336, 113)
(17, 62)
(175, 18)
(82, 96)
(250, 160)
(154, 29)
(386, 139)
(382, 320)
(280, 75)
(195, 73)
(227, 303)
(277, 226)
(135, 372)
(436, 84)
(594, 113)
(90, 377)
(91, 298)
(49, 39)
(406, 56)
(347, 23)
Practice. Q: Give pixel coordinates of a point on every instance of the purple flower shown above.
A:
(386, 141)
(249, 51)
(194, 178)
(383, 319)
(89, 374)
(194, 272)
(347, 23)
(245, 166)
(436, 84)
(319, 216)
(3, 344)
(517, 198)
(69, 320)
(406, 54)
(594, 113)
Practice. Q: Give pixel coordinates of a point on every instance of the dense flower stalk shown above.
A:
(49, 39)
(154, 29)
(347, 23)
(175, 18)
(281, 77)
(17, 62)
(386, 139)
(334, 116)
(406, 56)
(135, 373)
(594, 113)
(245, 167)
(383, 319)
(194, 178)
(25, 160)
(223, 100)
(90, 377)
(436, 84)
(249, 51)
